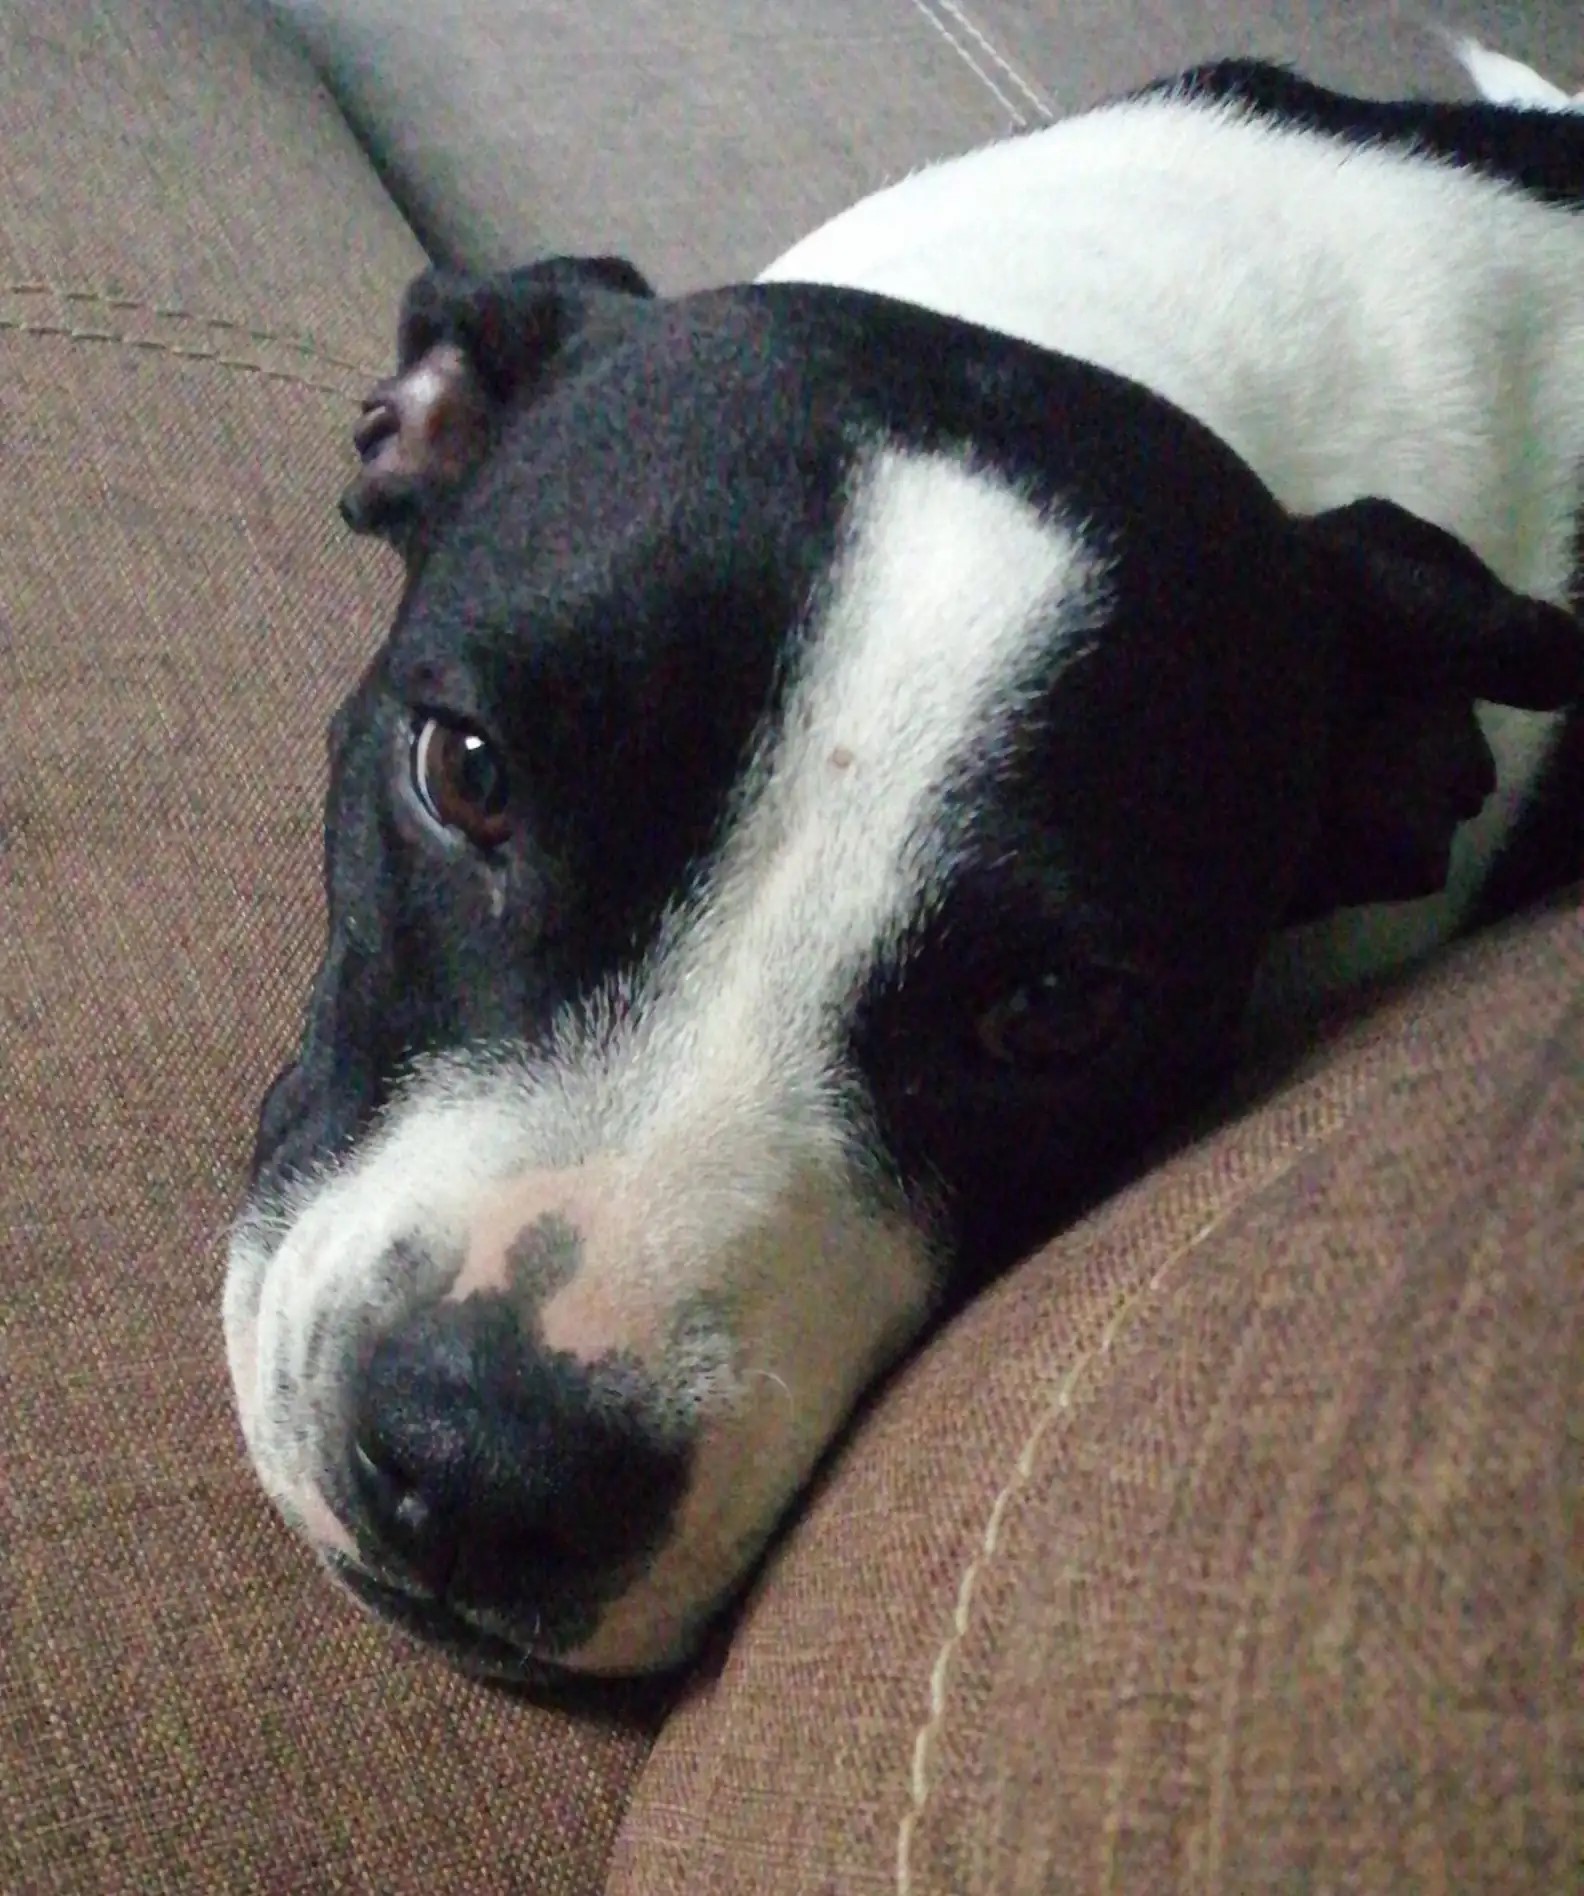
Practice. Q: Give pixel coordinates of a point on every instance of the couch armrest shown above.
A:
(1229, 1544)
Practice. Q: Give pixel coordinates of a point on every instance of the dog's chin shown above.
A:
(543, 1654)
(434, 1624)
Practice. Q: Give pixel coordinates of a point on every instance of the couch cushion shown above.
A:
(198, 274)
(700, 137)
(696, 136)
(1229, 1544)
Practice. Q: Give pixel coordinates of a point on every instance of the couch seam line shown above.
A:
(1029, 90)
(919, 1786)
(174, 312)
(151, 345)
(1013, 112)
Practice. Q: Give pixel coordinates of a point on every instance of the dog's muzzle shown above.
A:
(549, 1417)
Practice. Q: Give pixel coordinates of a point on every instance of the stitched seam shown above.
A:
(173, 312)
(1032, 93)
(1017, 117)
(1022, 1469)
(150, 345)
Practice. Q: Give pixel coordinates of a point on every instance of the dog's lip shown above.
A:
(436, 1623)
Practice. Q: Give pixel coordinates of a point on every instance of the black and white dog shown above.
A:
(847, 746)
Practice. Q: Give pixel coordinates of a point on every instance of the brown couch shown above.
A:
(1232, 1543)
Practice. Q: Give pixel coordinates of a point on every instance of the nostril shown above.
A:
(490, 1470)
(409, 1523)
(397, 1503)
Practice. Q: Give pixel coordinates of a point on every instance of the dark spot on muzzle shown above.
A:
(541, 1260)
(520, 1487)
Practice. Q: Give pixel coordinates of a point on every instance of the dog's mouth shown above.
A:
(435, 1623)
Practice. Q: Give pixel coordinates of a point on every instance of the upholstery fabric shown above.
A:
(701, 137)
(1230, 1544)
(198, 274)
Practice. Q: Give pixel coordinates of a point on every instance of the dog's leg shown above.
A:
(1547, 848)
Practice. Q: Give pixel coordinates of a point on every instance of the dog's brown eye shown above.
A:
(1054, 1021)
(460, 781)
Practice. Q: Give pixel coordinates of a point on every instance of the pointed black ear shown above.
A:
(1422, 631)
(467, 349)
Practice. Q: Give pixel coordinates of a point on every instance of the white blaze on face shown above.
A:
(699, 1132)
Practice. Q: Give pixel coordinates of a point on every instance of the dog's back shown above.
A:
(1361, 298)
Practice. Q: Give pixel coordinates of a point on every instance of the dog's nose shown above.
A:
(490, 1469)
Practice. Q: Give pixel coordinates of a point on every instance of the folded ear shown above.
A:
(467, 349)
(1419, 612)
(1423, 630)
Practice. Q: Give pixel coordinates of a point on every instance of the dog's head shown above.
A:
(822, 801)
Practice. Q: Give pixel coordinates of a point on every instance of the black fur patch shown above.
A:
(1540, 152)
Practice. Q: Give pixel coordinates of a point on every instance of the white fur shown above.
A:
(709, 1100)
(1351, 321)
(1507, 81)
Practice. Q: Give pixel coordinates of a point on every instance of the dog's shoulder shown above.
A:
(1539, 151)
